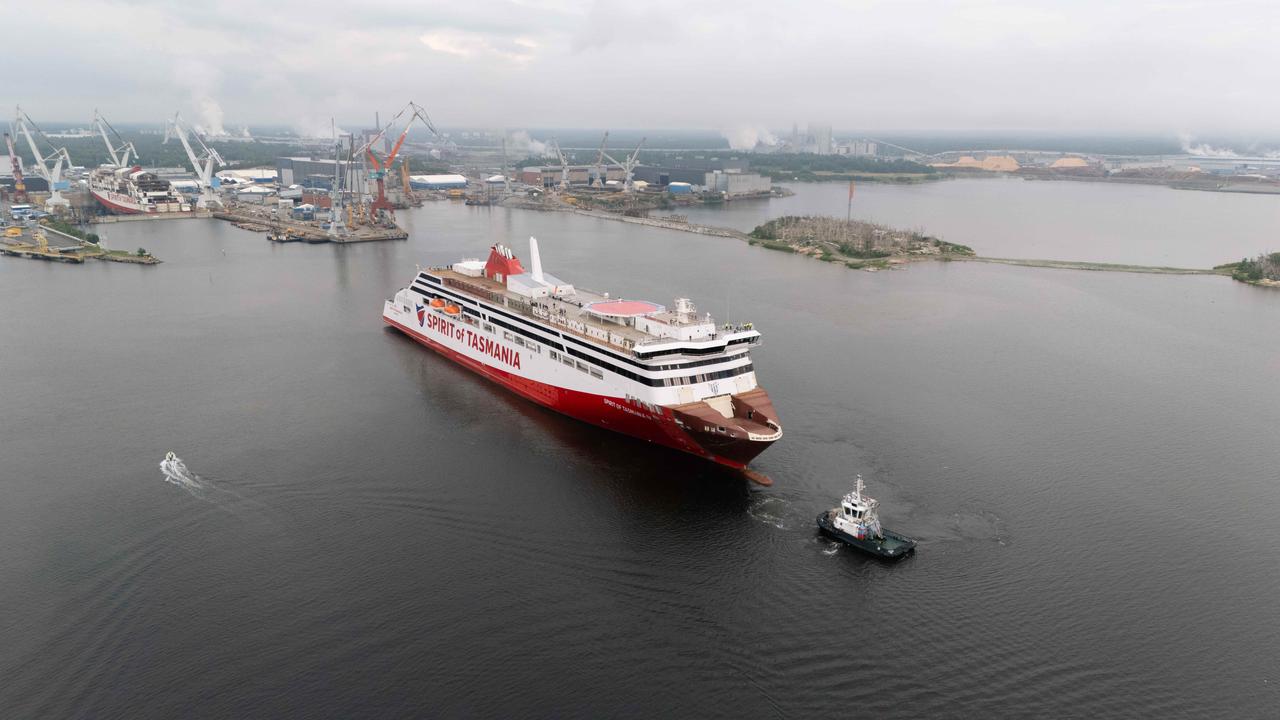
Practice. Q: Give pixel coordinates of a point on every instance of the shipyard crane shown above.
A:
(337, 218)
(203, 163)
(119, 153)
(406, 185)
(600, 155)
(564, 165)
(506, 179)
(381, 207)
(337, 223)
(19, 187)
(629, 166)
(48, 167)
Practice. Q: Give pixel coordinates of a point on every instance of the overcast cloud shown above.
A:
(1172, 66)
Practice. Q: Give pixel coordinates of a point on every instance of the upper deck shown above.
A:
(611, 324)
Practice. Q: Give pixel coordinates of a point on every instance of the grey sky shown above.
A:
(1172, 66)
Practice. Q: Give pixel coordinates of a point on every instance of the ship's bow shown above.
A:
(731, 429)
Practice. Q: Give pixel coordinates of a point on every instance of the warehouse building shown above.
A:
(437, 182)
(307, 171)
(737, 184)
(692, 170)
(548, 176)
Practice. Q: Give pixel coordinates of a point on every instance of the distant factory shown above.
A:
(727, 176)
(692, 170)
(548, 176)
(313, 173)
(732, 184)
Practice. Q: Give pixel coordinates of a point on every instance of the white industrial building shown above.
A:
(734, 184)
(437, 182)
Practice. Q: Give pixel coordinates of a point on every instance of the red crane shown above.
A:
(19, 188)
(381, 207)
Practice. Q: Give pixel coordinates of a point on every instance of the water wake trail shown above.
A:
(175, 472)
(773, 510)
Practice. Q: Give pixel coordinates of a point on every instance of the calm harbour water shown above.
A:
(1089, 461)
(1015, 218)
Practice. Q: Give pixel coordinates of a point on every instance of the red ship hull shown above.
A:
(607, 412)
(116, 208)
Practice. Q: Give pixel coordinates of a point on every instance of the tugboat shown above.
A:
(857, 523)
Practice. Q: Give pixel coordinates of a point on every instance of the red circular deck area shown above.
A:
(623, 308)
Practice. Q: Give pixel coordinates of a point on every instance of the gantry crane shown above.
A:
(600, 155)
(381, 208)
(406, 184)
(337, 216)
(564, 165)
(48, 167)
(202, 163)
(629, 166)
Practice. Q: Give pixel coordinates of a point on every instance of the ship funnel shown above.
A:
(535, 259)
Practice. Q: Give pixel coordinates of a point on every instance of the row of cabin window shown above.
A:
(530, 346)
(662, 382)
(656, 382)
(596, 373)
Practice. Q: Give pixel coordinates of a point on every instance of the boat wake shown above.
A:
(771, 510)
(175, 472)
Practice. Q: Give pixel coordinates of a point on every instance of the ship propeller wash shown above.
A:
(670, 377)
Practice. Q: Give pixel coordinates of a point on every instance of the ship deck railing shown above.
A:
(494, 292)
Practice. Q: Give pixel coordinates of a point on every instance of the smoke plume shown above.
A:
(209, 113)
(748, 137)
(519, 141)
(1205, 149)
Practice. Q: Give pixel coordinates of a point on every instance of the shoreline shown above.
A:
(718, 231)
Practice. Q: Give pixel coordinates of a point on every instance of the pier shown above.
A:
(33, 244)
(309, 231)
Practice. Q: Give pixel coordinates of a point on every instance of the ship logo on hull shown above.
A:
(422, 316)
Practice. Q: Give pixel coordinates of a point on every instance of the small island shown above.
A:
(1263, 271)
(854, 243)
(56, 240)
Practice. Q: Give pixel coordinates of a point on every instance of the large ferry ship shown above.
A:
(668, 376)
(131, 190)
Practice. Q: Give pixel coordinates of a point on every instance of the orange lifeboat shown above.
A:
(452, 310)
(437, 303)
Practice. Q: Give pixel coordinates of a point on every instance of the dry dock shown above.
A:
(309, 231)
(146, 217)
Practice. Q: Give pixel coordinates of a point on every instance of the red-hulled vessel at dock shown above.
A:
(134, 191)
(670, 377)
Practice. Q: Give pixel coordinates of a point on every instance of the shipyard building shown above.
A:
(738, 184)
(691, 170)
(312, 173)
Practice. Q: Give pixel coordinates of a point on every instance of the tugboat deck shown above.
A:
(890, 546)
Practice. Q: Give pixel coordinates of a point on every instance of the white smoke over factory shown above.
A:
(209, 117)
(520, 141)
(748, 137)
